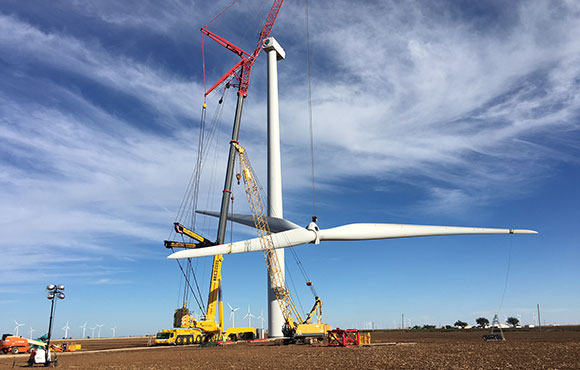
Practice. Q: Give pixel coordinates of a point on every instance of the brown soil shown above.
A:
(390, 350)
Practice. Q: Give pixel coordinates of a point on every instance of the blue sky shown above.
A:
(444, 113)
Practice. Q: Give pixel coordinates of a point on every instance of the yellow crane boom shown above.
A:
(290, 313)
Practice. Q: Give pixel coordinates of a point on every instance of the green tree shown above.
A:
(482, 322)
(513, 321)
(460, 323)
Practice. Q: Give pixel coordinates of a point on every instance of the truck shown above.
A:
(14, 344)
(186, 328)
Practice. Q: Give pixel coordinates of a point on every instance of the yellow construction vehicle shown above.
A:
(295, 327)
(187, 329)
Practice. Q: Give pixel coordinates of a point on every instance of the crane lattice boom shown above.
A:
(247, 59)
(287, 306)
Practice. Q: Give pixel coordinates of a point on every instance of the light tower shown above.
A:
(275, 207)
(54, 291)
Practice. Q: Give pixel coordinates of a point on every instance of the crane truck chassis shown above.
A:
(186, 328)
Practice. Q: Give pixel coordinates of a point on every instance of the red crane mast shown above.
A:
(243, 68)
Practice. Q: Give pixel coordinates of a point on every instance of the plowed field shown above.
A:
(390, 350)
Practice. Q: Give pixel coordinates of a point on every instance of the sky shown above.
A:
(436, 113)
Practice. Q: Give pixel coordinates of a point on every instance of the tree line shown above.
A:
(482, 322)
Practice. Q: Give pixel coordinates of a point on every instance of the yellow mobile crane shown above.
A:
(187, 329)
(296, 328)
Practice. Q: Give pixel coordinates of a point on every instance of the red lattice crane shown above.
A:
(243, 68)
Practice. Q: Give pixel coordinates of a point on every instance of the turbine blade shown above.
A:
(284, 239)
(276, 224)
(387, 231)
(359, 231)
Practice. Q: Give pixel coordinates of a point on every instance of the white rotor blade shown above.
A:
(284, 239)
(388, 231)
(346, 232)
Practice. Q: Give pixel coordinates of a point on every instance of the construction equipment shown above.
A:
(39, 356)
(296, 328)
(66, 347)
(188, 329)
(494, 337)
(346, 338)
(243, 69)
(14, 344)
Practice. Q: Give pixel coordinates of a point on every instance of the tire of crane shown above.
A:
(198, 338)
(179, 340)
(14, 350)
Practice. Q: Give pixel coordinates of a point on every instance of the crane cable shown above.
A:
(189, 202)
(507, 274)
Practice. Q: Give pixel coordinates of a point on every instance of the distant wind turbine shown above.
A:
(16, 329)
(93, 332)
(249, 316)
(84, 327)
(232, 314)
(30, 332)
(114, 328)
(99, 326)
(261, 318)
(65, 328)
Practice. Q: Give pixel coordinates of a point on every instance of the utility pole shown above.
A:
(539, 322)
(402, 321)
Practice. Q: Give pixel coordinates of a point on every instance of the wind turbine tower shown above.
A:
(30, 332)
(93, 332)
(84, 327)
(65, 328)
(17, 327)
(232, 314)
(261, 318)
(99, 326)
(114, 329)
(249, 316)
(275, 53)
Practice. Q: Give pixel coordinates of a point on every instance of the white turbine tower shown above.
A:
(30, 332)
(65, 328)
(93, 332)
(17, 327)
(261, 318)
(84, 327)
(114, 329)
(99, 326)
(249, 316)
(232, 314)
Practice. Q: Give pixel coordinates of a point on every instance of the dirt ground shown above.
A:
(390, 350)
